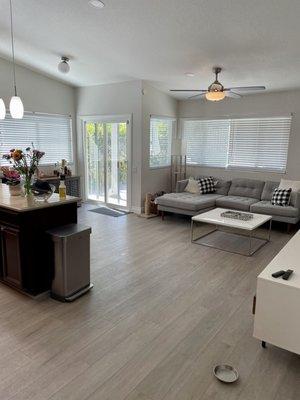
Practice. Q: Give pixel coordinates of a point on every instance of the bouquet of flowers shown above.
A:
(11, 175)
(25, 163)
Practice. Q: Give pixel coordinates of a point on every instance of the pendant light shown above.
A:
(16, 107)
(2, 109)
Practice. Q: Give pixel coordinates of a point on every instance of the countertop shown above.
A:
(22, 204)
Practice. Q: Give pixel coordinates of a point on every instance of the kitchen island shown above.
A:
(26, 251)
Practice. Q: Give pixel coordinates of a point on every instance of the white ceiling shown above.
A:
(255, 41)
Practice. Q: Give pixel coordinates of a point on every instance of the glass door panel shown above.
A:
(116, 136)
(107, 162)
(95, 160)
(123, 162)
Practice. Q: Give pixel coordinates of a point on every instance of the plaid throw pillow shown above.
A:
(206, 185)
(281, 197)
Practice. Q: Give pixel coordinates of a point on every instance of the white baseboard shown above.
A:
(136, 210)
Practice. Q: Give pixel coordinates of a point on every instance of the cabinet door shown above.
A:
(11, 262)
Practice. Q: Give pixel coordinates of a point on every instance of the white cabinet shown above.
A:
(277, 311)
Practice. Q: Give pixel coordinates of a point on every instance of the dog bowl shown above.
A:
(226, 373)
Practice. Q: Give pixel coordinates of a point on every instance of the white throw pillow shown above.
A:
(286, 184)
(192, 187)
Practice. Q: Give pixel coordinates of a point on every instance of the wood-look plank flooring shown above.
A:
(162, 313)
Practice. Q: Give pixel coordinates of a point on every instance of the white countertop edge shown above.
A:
(23, 204)
(37, 205)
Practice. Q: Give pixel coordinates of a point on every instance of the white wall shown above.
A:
(115, 99)
(154, 102)
(268, 104)
(42, 94)
(39, 93)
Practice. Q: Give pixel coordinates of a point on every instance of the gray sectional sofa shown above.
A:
(238, 194)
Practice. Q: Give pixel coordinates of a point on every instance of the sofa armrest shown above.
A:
(180, 185)
(295, 200)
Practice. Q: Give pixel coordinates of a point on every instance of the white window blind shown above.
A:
(250, 143)
(259, 143)
(161, 134)
(49, 133)
(207, 141)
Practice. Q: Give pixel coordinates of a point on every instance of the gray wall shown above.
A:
(115, 99)
(268, 104)
(154, 102)
(39, 93)
(127, 98)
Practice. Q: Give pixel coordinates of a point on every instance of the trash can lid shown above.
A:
(69, 230)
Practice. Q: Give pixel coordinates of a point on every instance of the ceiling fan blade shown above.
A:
(230, 93)
(197, 95)
(246, 88)
(187, 90)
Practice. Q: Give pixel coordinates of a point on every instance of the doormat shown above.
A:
(109, 211)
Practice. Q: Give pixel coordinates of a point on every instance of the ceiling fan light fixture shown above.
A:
(216, 91)
(215, 96)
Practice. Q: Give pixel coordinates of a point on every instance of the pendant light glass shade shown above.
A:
(16, 107)
(2, 109)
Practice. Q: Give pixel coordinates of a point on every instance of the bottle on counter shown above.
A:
(62, 190)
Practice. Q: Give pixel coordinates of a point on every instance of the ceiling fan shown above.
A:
(217, 92)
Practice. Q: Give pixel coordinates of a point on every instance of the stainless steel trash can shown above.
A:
(71, 261)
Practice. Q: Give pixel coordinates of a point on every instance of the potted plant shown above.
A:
(13, 179)
(26, 164)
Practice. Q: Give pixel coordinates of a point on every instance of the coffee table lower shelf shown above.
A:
(225, 240)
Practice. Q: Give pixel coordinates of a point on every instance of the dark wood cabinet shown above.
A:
(26, 259)
(11, 262)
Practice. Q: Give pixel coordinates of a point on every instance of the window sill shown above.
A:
(241, 169)
(53, 165)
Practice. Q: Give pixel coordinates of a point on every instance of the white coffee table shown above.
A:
(245, 230)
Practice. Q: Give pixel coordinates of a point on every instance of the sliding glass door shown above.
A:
(106, 160)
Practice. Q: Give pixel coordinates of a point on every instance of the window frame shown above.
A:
(173, 136)
(228, 166)
(72, 150)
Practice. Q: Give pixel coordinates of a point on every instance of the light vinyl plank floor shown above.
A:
(162, 313)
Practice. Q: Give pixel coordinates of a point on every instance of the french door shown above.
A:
(107, 167)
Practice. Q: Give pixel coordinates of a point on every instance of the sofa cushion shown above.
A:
(187, 201)
(268, 190)
(236, 202)
(281, 197)
(181, 185)
(206, 185)
(222, 186)
(246, 188)
(192, 186)
(265, 207)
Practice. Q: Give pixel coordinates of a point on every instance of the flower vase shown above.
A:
(27, 183)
